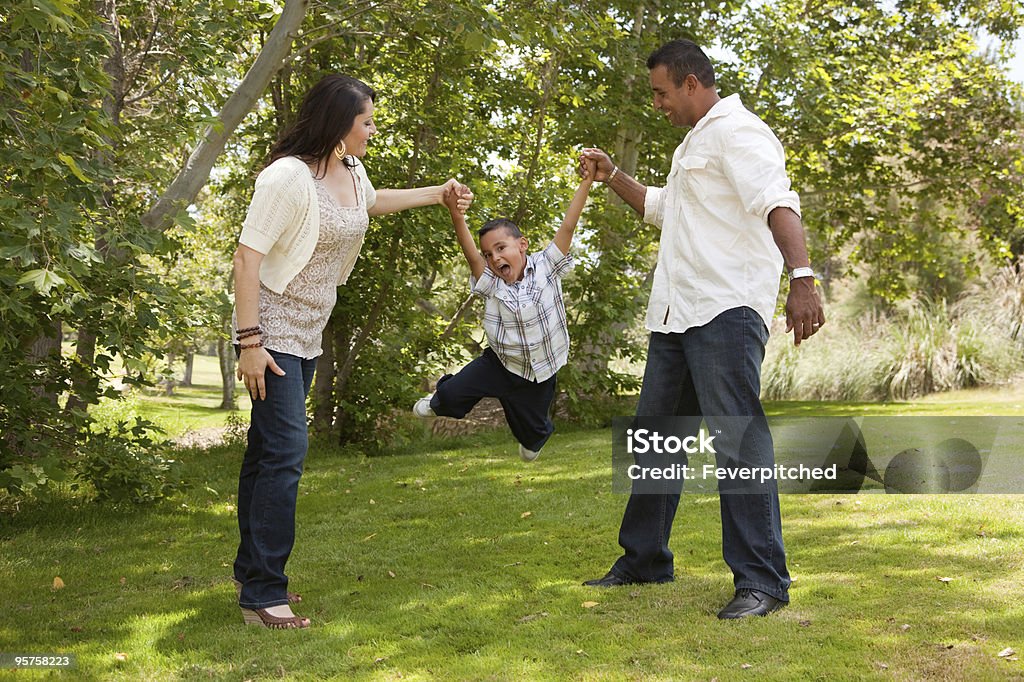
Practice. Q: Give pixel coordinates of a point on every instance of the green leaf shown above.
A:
(41, 280)
(73, 166)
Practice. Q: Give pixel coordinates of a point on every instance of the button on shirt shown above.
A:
(525, 321)
(716, 250)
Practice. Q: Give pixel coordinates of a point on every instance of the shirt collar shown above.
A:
(722, 107)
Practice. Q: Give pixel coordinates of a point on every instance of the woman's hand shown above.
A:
(252, 366)
(462, 193)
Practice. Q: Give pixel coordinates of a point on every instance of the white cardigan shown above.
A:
(283, 222)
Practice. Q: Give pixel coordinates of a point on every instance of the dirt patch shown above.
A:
(202, 438)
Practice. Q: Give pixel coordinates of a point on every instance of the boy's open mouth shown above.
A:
(505, 269)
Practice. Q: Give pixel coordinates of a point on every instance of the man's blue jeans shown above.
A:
(269, 481)
(708, 372)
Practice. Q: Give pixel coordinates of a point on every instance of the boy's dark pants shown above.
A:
(527, 403)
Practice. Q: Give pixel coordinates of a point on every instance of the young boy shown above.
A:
(524, 320)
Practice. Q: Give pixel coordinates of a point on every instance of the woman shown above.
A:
(300, 240)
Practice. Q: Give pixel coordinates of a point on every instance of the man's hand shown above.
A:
(602, 164)
(804, 313)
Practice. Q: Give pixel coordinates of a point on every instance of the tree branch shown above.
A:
(196, 172)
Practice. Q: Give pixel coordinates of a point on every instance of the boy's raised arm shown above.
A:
(563, 238)
(469, 250)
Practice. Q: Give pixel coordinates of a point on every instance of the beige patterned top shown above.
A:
(294, 320)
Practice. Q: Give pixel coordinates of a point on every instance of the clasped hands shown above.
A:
(456, 196)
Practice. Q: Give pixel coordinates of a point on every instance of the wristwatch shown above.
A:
(801, 272)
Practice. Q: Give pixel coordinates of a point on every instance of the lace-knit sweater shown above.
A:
(283, 221)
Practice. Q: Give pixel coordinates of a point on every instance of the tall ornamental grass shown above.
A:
(926, 346)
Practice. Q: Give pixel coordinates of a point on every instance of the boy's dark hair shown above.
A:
(681, 58)
(497, 224)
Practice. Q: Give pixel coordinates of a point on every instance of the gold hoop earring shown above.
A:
(340, 150)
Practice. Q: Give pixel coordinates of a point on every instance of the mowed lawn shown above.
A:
(451, 559)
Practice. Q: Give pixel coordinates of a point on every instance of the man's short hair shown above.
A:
(681, 58)
(497, 224)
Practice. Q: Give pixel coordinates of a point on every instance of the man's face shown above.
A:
(505, 254)
(676, 101)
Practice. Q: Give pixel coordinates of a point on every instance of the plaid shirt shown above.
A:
(525, 322)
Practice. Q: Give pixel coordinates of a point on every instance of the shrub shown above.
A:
(124, 464)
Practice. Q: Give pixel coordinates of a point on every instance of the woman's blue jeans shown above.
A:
(269, 481)
(708, 372)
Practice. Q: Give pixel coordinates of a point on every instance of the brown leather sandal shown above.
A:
(293, 597)
(264, 619)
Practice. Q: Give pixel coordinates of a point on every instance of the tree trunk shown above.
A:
(347, 344)
(196, 172)
(226, 357)
(190, 361)
(46, 345)
(594, 353)
(323, 384)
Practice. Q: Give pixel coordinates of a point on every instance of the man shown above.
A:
(728, 221)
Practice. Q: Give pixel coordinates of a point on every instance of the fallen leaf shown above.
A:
(76, 628)
(428, 585)
(369, 537)
(372, 501)
(1006, 653)
(120, 657)
(904, 627)
(123, 580)
(745, 666)
(945, 580)
(589, 604)
(380, 659)
(58, 584)
(526, 515)
(391, 573)
(805, 623)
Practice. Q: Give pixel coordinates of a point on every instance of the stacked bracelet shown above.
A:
(611, 176)
(243, 346)
(247, 332)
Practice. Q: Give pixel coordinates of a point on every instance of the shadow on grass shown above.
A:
(462, 562)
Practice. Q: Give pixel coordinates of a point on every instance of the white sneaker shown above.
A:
(422, 407)
(528, 455)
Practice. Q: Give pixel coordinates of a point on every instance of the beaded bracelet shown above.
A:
(247, 329)
(243, 346)
(247, 334)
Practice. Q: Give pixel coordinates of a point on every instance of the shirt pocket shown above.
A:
(695, 175)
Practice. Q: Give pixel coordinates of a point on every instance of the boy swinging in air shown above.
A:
(524, 321)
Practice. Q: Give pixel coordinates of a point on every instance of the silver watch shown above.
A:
(801, 272)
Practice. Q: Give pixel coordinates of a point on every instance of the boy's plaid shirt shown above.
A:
(525, 322)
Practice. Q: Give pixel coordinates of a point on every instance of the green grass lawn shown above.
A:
(454, 560)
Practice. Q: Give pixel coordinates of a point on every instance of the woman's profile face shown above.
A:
(363, 128)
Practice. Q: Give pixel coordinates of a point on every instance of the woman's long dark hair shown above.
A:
(327, 114)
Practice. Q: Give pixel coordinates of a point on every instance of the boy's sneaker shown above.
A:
(422, 407)
(528, 455)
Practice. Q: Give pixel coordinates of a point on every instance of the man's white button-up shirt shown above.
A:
(716, 250)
